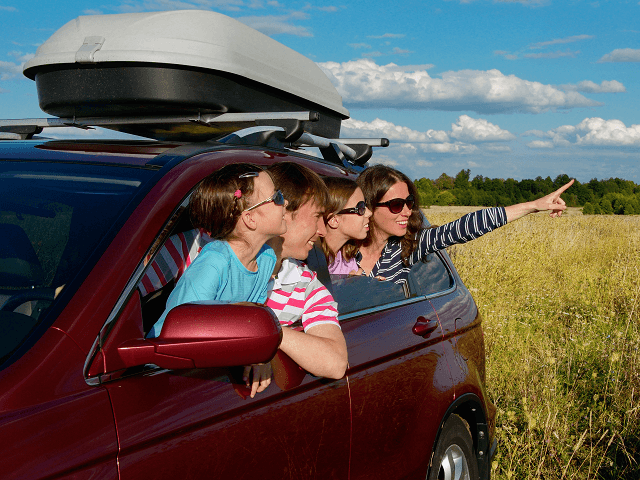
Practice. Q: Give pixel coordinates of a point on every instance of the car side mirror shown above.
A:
(205, 336)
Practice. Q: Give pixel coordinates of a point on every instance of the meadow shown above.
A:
(560, 305)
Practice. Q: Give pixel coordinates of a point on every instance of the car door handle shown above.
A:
(424, 327)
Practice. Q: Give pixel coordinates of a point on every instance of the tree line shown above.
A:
(610, 196)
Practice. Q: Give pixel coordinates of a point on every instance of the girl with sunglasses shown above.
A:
(240, 209)
(396, 239)
(347, 219)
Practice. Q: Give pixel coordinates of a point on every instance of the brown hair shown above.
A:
(375, 181)
(298, 184)
(214, 206)
(340, 190)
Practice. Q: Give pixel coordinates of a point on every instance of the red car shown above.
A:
(85, 224)
(84, 395)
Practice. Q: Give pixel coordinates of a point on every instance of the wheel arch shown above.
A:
(470, 408)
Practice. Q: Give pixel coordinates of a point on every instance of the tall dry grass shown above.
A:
(560, 301)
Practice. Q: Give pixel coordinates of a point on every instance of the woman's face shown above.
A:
(392, 224)
(353, 225)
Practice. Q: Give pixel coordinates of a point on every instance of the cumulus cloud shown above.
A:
(383, 128)
(472, 130)
(8, 9)
(587, 86)
(467, 135)
(591, 132)
(365, 84)
(621, 55)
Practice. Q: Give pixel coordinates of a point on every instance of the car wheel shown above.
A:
(453, 458)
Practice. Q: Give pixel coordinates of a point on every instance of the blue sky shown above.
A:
(511, 88)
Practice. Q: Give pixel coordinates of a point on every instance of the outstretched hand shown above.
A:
(553, 201)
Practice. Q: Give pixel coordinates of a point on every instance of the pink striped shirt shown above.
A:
(296, 294)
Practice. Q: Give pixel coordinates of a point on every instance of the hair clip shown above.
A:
(237, 193)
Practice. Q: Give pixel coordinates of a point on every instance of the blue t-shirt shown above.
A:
(217, 274)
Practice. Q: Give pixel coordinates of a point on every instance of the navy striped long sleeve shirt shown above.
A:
(466, 228)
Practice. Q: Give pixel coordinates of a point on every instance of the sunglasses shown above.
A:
(359, 209)
(395, 205)
(277, 198)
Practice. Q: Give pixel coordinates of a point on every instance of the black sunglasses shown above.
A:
(395, 205)
(359, 209)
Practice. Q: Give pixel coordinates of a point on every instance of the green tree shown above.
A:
(462, 179)
(444, 182)
(587, 209)
(445, 198)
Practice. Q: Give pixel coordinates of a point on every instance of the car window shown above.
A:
(429, 276)
(354, 293)
(358, 292)
(53, 217)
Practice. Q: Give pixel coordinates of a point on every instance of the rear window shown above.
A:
(52, 218)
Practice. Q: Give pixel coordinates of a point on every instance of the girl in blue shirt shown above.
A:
(239, 207)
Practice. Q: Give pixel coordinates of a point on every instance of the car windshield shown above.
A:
(52, 218)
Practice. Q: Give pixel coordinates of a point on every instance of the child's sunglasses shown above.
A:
(395, 205)
(359, 209)
(277, 198)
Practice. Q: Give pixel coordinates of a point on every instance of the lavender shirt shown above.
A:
(341, 267)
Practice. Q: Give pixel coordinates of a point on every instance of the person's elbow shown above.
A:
(338, 366)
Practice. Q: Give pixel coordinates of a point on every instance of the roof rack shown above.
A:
(271, 129)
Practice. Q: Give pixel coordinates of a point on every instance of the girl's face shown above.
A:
(270, 217)
(392, 224)
(353, 225)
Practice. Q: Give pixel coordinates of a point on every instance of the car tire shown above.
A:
(453, 458)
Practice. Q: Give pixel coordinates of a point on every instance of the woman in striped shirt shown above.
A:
(396, 238)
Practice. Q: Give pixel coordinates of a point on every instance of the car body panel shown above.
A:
(399, 383)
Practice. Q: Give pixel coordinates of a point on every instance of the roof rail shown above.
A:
(271, 129)
(292, 122)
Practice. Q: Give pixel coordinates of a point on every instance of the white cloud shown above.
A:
(621, 55)
(574, 38)
(8, 9)
(464, 138)
(9, 70)
(382, 128)
(278, 24)
(365, 84)
(599, 132)
(540, 144)
(587, 86)
(478, 130)
(591, 132)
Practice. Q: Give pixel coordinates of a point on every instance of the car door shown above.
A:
(399, 379)
(201, 423)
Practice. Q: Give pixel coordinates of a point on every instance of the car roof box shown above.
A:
(176, 63)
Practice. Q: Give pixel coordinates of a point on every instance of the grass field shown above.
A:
(559, 298)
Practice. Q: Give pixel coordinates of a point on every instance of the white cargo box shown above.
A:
(174, 63)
